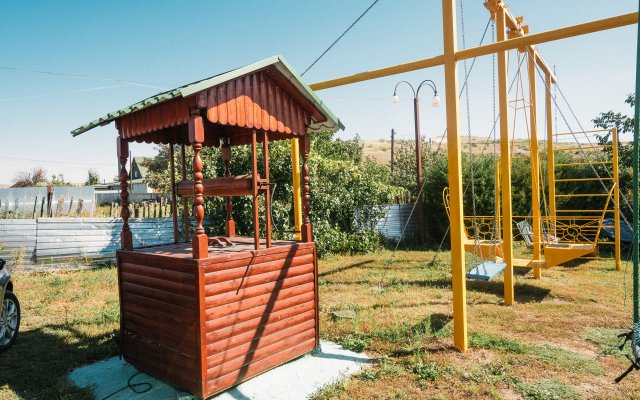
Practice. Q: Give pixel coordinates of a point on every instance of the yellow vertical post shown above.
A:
(551, 160)
(458, 282)
(505, 158)
(297, 190)
(616, 198)
(535, 162)
(497, 199)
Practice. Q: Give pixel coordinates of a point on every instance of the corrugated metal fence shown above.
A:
(44, 240)
(394, 221)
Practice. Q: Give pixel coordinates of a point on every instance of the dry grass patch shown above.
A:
(557, 342)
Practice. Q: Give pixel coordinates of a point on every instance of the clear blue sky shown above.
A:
(163, 44)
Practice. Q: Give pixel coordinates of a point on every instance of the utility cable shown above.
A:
(77, 76)
(340, 37)
(138, 388)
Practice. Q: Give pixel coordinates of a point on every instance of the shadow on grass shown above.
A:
(36, 367)
(524, 292)
(345, 268)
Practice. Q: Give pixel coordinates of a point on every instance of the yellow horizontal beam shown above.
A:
(379, 73)
(550, 36)
(583, 195)
(583, 147)
(584, 179)
(575, 164)
(581, 132)
(542, 37)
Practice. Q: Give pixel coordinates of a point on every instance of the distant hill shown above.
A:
(380, 150)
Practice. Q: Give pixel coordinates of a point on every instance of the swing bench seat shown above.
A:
(488, 249)
(486, 270)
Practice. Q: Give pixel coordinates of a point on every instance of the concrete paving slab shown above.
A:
(295, 380)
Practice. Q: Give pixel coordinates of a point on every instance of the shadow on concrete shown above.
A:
(37, 365)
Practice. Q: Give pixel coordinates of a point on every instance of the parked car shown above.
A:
(10, 316)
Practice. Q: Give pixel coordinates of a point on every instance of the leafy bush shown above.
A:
(342, 181)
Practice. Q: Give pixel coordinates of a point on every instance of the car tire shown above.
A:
(10, 323)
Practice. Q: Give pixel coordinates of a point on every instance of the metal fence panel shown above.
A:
(90, 237)
(396, 219)
(18, 237)
(19, 202)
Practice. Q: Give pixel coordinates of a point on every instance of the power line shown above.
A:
(52, 162)
(78, 76)
(340, 37)
(62, 93)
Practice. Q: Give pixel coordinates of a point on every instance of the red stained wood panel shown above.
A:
(212, 105)
(253, 318)
(244, 293)
(231, 103)
(248, 104)
(255, 96)
(236, 284)
(218, 384)
(205, 325)
(260, 347)
(240, 116)
(234, 336)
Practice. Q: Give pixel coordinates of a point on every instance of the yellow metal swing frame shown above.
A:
(520, 39)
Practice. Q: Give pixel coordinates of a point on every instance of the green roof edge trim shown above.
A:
(332, 123)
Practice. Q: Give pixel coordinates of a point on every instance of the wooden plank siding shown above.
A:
(206, 325)
(159, 317)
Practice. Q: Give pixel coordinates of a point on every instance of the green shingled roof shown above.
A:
(332, 123)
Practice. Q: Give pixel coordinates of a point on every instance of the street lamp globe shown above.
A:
(395, 98)
(436, 101)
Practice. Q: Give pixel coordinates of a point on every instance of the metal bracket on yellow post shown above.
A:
(297, 192)
(505, 159)
(458, 268)
(535, 162)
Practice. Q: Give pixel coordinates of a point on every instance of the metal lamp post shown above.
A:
(416, 114)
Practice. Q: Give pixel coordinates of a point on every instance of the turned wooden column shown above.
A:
(307, 231)
(230, 224)
(200, 242)
(254, 182)
(126, 238)
(174, 198)
(267, 195)
(185, 202)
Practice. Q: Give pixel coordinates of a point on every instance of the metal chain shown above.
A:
(476, 233)
(494, 236)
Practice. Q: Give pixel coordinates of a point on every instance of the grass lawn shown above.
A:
(558, 342)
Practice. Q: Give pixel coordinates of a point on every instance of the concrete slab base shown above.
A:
(295, 380)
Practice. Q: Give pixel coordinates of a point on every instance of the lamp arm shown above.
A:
(395, 89)
(429, 83)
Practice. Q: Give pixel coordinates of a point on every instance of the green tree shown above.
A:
(93, 178)
(343, 183)
(58, 180)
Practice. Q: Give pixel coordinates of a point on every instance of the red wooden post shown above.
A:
(196, 138)
(307, 231)
(174, 199)
(126, 238)
(267, 195)
(230, 224)
(255, 175)
(185, 205)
